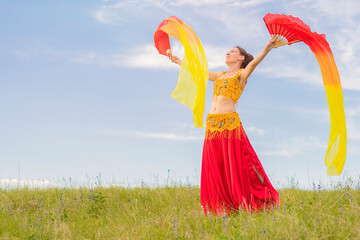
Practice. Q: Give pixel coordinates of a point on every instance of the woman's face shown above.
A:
(234, 56)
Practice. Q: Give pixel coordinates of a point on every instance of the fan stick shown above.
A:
(281, 40)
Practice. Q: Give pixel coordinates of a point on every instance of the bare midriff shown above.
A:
(222, 104)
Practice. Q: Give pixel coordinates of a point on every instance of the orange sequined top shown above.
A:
(229, 87)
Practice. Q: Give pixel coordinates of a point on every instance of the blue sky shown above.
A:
(84, 92)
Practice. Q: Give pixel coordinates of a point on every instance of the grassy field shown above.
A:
(173, 213)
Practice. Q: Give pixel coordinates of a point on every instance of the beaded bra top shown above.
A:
(229, 87)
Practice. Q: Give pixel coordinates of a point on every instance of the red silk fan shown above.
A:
(285, 28)
(161, 39)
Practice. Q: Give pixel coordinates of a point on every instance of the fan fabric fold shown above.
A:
(193, 76)
(336, 151)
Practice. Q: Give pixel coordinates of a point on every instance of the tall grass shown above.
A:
(173, 213)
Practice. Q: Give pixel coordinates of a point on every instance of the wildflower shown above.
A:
(62, 204)
(202, 231)
(246, 224)
(10, 211)
(225, 223)
(81, 197)
(273, 216)
(175, 221)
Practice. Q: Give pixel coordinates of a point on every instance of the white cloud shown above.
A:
(140, 57)
(121, 11)
(173, 136)
(147, 57)
(343, 9)
(15, 183)
(352, 116)
(107, 15)
(319, 115)
(166, 136)
(34, 48)
(217, 10)
(215, 55)
(298, 145)
(113, 14)
(281, 153)
(256, 130)
(248, 29)
(103, 17)
(250, 3)
(198, 2)
(339, 21)
(353, 128)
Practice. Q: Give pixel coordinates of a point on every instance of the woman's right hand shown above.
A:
(271, 44)
(174, 59)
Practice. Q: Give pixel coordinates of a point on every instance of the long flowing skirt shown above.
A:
(232, 176)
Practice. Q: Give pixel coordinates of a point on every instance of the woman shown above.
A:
(232, 176)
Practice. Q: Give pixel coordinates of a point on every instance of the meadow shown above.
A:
(174, 212)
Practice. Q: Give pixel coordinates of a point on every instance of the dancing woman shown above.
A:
(232, 176)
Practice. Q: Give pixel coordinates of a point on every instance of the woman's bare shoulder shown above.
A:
(214, 75)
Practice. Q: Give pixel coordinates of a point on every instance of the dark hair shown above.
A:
(248, 57)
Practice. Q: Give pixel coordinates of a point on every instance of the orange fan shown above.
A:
(285, 28)
(288, 30)
(161, 38)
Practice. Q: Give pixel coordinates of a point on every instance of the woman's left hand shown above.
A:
(271, 44)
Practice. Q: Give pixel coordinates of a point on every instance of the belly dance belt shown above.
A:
(223, 125)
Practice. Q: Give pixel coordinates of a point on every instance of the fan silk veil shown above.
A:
(336, 151)
(193, 76)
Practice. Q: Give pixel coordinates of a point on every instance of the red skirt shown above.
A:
(232, 176)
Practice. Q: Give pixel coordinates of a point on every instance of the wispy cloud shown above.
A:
(250, 3)
(223, 11)
(141, 57)
(198, 2)
(298, 145)
(256, 130)
(147, 57)
(126, 10)
(35, 47)
(108, 15)
(318, 115)
(343, 34)
(352, 114)
(116, 13)
(173, 136)
(353, 129)
(339, 21)
(14, 183)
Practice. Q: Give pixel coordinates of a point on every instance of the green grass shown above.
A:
(173, 213)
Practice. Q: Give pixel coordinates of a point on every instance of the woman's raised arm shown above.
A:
(252, 65)
(175, 59)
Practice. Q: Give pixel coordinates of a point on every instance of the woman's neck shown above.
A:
(233, 68)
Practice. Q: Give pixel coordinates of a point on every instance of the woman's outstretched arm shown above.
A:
(252, 65)
(175, 59)
(213, 75)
